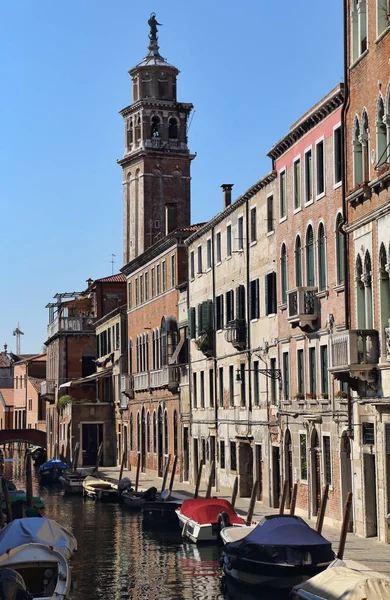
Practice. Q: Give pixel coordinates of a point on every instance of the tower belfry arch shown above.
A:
(156, 161)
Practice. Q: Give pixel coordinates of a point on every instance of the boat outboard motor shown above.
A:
(12, 586)
(223, 520)
(124, 485)
(150, 494)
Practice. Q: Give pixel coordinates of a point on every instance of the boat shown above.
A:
(51, 470)
(345, 583)
(202, 519)
(281, 551)
(39, 455)
(72, 481)
(98, 489)
(38, 550)
(136, 500)
(18, 500)
(162, 512)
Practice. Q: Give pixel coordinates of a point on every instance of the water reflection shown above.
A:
(117, 559)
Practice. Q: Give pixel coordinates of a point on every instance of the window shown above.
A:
(173, 270)
(221, 389)
(158, 279)
(211, 388)
(218, 249)
(382, 15)
(273, 382)
(30, 404)
(282, 195)
(357, 154)
(229, 306)
(240, 233)
(192, 264)
(327, 460)
(297, 184)
(368, 433)
(136, 292)
(338, 155)
(219, 312)
(233, 456)
(129, 296)
(308, 177)
(153, 283)
(270, 294)
(240, 302)
(200, 270)
(312, 372)
(270, 214)
(194, 390)
(173, 133)
(146, 281)
(298, 261)
(303, 455)
(324, 371)
(253, 224)
(339, 249)
(301, 371)
(320, 168)
(222, 454)
(229, 240)
(254, 299)
(192, 323)
(359, 28)
(202, 389)
(209, 254)
(283, 273)
(364, 140)
(286, 377)
(108, 332)
(381, 135)
(231, 385)
(310, 279)
(164, 276)
(243, 384)
(321, 258)
(131, 433)
(117, 337)
(256, 383)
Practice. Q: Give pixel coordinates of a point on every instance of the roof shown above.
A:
(118, 278)
(31, 358)
(36, 383)
(7, 395)
(5, 360)
(154, 59)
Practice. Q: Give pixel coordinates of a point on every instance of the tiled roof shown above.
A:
(112, 279)
(36, 383)
(8, 396)
(31, 357)
(5, 360)
(191, 227)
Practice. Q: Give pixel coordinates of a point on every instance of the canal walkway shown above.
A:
(368, 552)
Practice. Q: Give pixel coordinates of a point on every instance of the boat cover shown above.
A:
(20, 496)
(53, 463)
(207, 510)
(37, 530)
(282, 539)
(345, 583)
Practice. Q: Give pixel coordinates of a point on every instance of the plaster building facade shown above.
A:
(360, 356)
(233, 330)
(313, 416)
(29, 407)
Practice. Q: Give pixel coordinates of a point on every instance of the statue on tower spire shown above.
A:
(153, 27)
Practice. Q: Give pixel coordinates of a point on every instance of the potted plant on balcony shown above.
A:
(64, 401)
(324, 395)
(311, 396)
(299, 396)
(202, 343)
(341, 394)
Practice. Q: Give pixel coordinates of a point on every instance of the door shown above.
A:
(288, 469)
(245, 456)
(316, 472)
(125, 446)
(143, 441)
(259, 470)
(92, 437)
(370, 495)
(196, 458)
(275, 476)
(346, 474)
(186, 458)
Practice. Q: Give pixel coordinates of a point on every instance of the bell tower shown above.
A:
(156, 162)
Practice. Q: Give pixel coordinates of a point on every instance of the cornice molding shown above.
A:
(372, 216)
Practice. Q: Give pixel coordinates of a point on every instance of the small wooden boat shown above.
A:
(162, 512)
(101, 490)
(281, 551)
(72, 482)
(51, 470)
(202, 519)
(136, 500)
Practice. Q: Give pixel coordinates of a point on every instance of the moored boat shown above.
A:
(281, 551)
(99, 489)
(136, 500)
(162, 512)
(72, 482)
(51, 470)
(202, 519)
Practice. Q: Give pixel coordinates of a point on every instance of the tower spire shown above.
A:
(153, 43)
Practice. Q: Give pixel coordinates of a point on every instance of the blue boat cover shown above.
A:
(53, 463)
(284, 530)
(37, 530)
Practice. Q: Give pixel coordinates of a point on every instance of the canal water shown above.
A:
(118, 560)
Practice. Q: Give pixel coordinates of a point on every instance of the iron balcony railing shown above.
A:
(354, 349)
(236, 333)
(302, 305)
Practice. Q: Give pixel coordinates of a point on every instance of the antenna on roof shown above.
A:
(112, 261)
(17, 332)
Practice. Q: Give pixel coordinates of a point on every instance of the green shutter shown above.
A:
(257, 299)
(267, 304)
(191, 323)
(199, 323)
(210, 315)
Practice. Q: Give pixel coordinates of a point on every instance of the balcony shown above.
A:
(127, 387)
(167, 376)
(302, 307)
(47, 389)
(141, 381)
(70, 325)
(354, 356)
(206, 342)
(236, 333)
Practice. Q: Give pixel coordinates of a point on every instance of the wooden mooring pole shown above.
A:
(234, 492)
(344, 528)
(29, 482)
(138, 470)
(173, 473)
(76, 452)
(321, 512)
(293, 499)
(7, 499)
(211, 477)
(283, 497)
(197, 486)
(164, 482)
(252, 503)
(122, 466)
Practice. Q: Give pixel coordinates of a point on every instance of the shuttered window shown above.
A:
(321, 258)
(308, 177)
(221, 388)
(298, 262)
(286, 377)
(219, 312)
(270, 294)
(254, 299)
(253, 224)
(240, 302)
(312, 371)
(324, 370)
(229, 306)
(301, 371)
(327, 460)
(240, 233)
(283, 273)
(339, 250)
(218, 249)
(191, 323)
(194, 390)
(310, 279)
(231, 385)
(202, 389)
(229, 240)
(320, 164)
(270, 214)
(211, 388)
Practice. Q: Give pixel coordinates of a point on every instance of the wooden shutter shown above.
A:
(257, 299)
(210, 315)
(199, 324)
(191, 323)
(267, 306)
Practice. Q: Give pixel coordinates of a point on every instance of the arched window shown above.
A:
(173, 129)
(166, 432)
(384, 297)
(339, 250)
(154, 432)
(367, 280)
(298, 261)
(155, 127)
(148, 432)
(357, 154)
(364, 138)
(138, 128)
(129, 133)
(310, 275)
(283, 272)
(138, 432)
(381, 134)
(321, 258)
(175, 446)
(131, 432)
(360, 295)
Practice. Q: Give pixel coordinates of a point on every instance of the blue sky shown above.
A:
(250, 69)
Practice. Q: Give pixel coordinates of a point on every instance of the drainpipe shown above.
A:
(248, 271)
(215, 368)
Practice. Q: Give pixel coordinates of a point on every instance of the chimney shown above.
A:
(89, 281)
(227, 194)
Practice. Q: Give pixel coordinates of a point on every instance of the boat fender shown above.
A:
(223, 520)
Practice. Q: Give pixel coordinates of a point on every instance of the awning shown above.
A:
(174, 356)
(98, 375)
